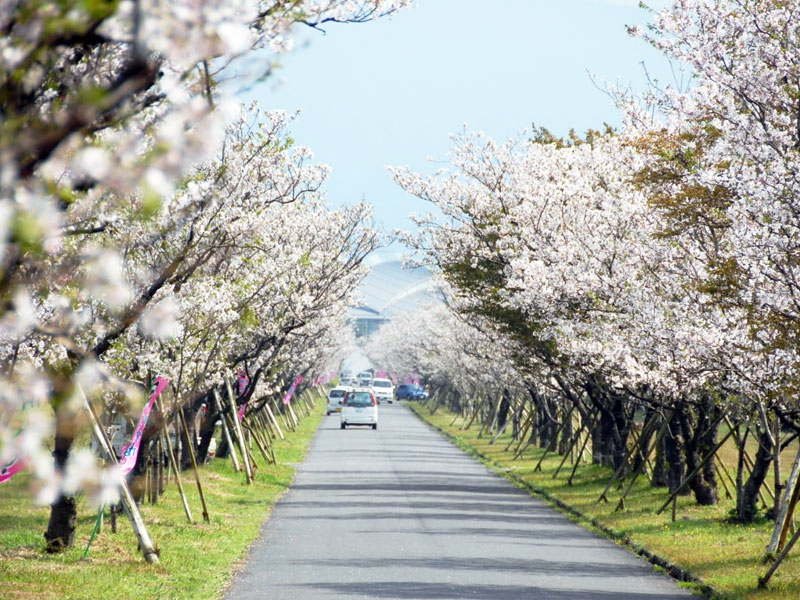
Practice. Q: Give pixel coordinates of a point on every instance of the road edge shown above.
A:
(676, 572)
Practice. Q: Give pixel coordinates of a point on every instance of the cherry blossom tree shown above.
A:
(110, 195)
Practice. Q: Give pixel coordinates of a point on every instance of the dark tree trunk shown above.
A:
(207, 430)
(748, 504)
(566, 433)
(60, 533)
(502, 412)
(515, 423)
(674, 457)
(186, 459)
(661, 466)
(699, 435)
(647, 433)
(610, 438)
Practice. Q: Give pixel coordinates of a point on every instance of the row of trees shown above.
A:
(149, 225)
(647, 271)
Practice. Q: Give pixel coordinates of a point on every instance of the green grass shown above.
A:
(726, 556)
(196, 560)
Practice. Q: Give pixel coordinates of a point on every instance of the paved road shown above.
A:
(402, 513)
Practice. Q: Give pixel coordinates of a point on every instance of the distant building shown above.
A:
(389, 290)
(366, 320)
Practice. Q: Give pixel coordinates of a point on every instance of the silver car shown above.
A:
(335, 399)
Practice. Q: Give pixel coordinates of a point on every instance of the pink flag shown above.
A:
(131, 451)
(288, 395)
(8, 470)
(242, 382)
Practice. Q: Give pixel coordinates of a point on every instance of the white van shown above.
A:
(365, 379)
(383, 390)
(359, 408)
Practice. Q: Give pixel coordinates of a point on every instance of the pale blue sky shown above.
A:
(390, 92)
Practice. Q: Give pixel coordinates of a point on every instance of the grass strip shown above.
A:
(197, 560)
(702, 549)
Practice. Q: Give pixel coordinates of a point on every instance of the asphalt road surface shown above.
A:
(402, 513)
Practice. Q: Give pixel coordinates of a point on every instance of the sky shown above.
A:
(390, 92)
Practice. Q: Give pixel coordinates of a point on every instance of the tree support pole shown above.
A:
(238, 426)
(190, 448)
(788, 504)
(592, 423)
(525, 428)
(274, 420)
(662, 431)
(762, 581)
(174, 464)
(128, 503)
(723, 479)
(696, 470)
(226, 432)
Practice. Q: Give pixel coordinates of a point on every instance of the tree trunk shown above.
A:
(661, 466)
(647, 433)
(567, 432)
(674, 457)
(502, 412)
(699, 435)
(748, 505)
(60, 533)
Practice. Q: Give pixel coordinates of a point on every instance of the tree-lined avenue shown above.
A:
(401, 513)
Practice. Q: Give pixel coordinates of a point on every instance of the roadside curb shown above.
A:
(622, 539)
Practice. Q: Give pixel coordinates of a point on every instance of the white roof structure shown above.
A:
(389, 290)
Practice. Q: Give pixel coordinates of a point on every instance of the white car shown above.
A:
(335, 399)
(365, 379)
(360, 408)
(383, 390)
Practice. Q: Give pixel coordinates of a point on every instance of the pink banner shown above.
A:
(381, 374)
(289, 394)
(131, 451)
(7, 471)
(242, 381)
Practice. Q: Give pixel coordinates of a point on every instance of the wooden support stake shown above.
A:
(653, 446)
(274, 420)
(762, 582)
(263, 450)
(722, 478)
(748, 461)
(238, 427)
(226, 432)
(174, 464)
(788, 503)
(190, 448)
(595, 415)
(695, 471)
(128, 503)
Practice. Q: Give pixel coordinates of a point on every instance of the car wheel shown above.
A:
(343, 425)
(374, 425)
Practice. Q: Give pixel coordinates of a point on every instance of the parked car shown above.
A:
(410, 391)
(335, 398)
(360, 408)
(383, 389)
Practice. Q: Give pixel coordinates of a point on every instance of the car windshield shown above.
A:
(337, 393)
(359, 400)
(381, 384)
